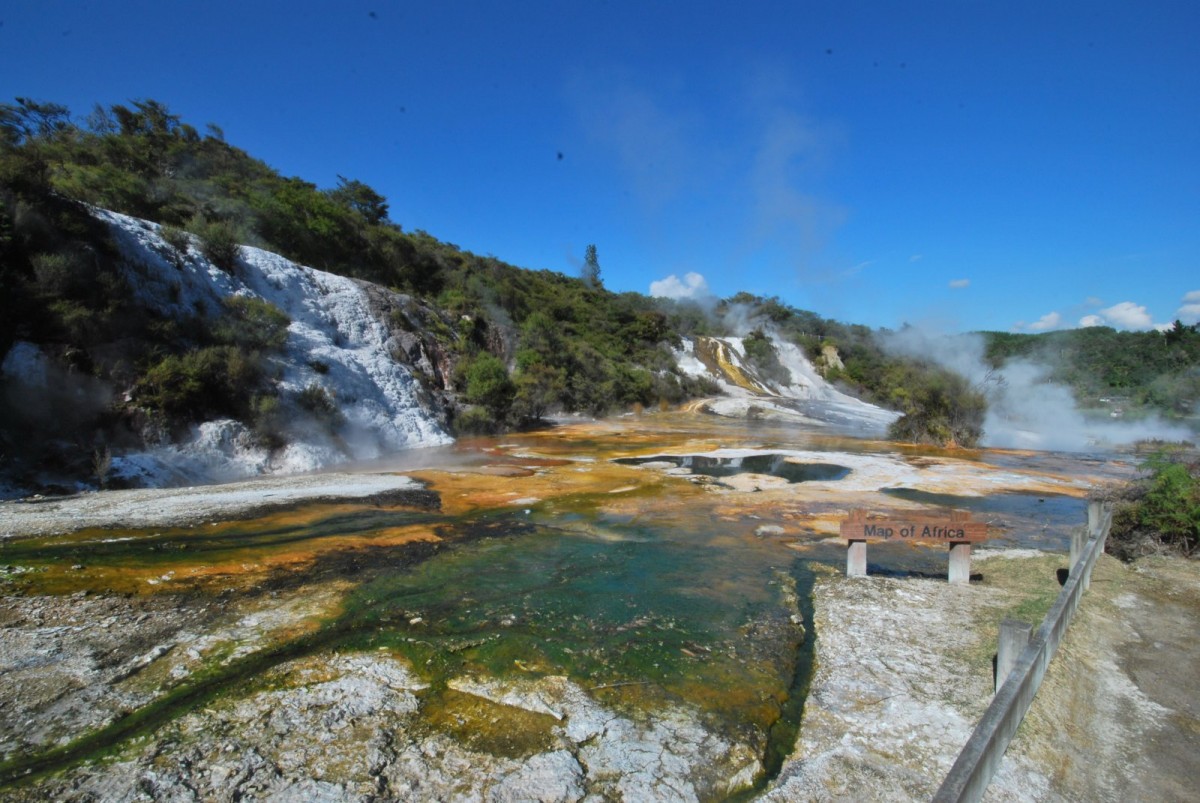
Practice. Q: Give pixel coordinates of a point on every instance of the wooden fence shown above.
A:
(980, 758)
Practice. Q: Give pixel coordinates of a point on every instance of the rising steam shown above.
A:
(1025, 409)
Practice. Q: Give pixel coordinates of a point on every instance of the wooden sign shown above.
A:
(958, 531)
(957, 528)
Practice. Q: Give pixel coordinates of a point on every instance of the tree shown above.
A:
(538, 387)
(489, 386)
(359, 197)
(591, 267)
(941, 408)
(29, 119)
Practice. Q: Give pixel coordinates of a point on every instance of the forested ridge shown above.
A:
(1158, 370)
(523, 342)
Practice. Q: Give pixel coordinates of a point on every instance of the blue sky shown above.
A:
(962, 165)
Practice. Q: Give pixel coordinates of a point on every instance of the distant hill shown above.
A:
(1107, 368)
(488, 345)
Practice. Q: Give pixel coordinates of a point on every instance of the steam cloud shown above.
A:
(1025, 409)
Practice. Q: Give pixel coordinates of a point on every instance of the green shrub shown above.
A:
(251, 324)
(488, 384)
(1172, 504)
(538, 388)
(213, 380)
(80, 323)
(317, 401)
(62, 274)
(669, 388)
(476, 421)
(267, 421)
(762, 357)
(941, 408)
(177, 239)
(632, 385)
(218, 242)
(1161, 511)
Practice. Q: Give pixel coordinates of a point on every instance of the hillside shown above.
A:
(223, 319)
(1107, 368)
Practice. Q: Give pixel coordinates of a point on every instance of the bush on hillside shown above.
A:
(762, 357)
(218, 242)
(317, 401)
(476, 421)
(207, 381)
(179, 242)
(251, 324)
(538, 388)
(267, 422)
(943, 410)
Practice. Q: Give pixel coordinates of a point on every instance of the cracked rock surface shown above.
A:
(347, 728)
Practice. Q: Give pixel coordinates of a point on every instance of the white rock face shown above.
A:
(334, 342)
(807, 398)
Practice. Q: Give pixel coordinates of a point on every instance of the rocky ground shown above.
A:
(1118, 716)
(336, 727)
(70, 664)
(902, 667)
(904, 672)
(346, 728)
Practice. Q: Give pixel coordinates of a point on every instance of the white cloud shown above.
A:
(916, 257)
(1050, 320)
(1189, 313)
(1092, 301)
(1127, 315)
(693, 287)
(958, 284)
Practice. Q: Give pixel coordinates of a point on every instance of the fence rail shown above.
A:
(981, 756)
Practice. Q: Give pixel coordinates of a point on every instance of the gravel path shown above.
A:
(900, 684)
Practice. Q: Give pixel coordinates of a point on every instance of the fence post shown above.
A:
(1103, 519)
(1095, 513)
(960, 562)
(1014, 637)
(856, 558)
(1079, 538)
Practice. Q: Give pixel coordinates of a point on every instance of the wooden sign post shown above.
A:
(958, 531)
